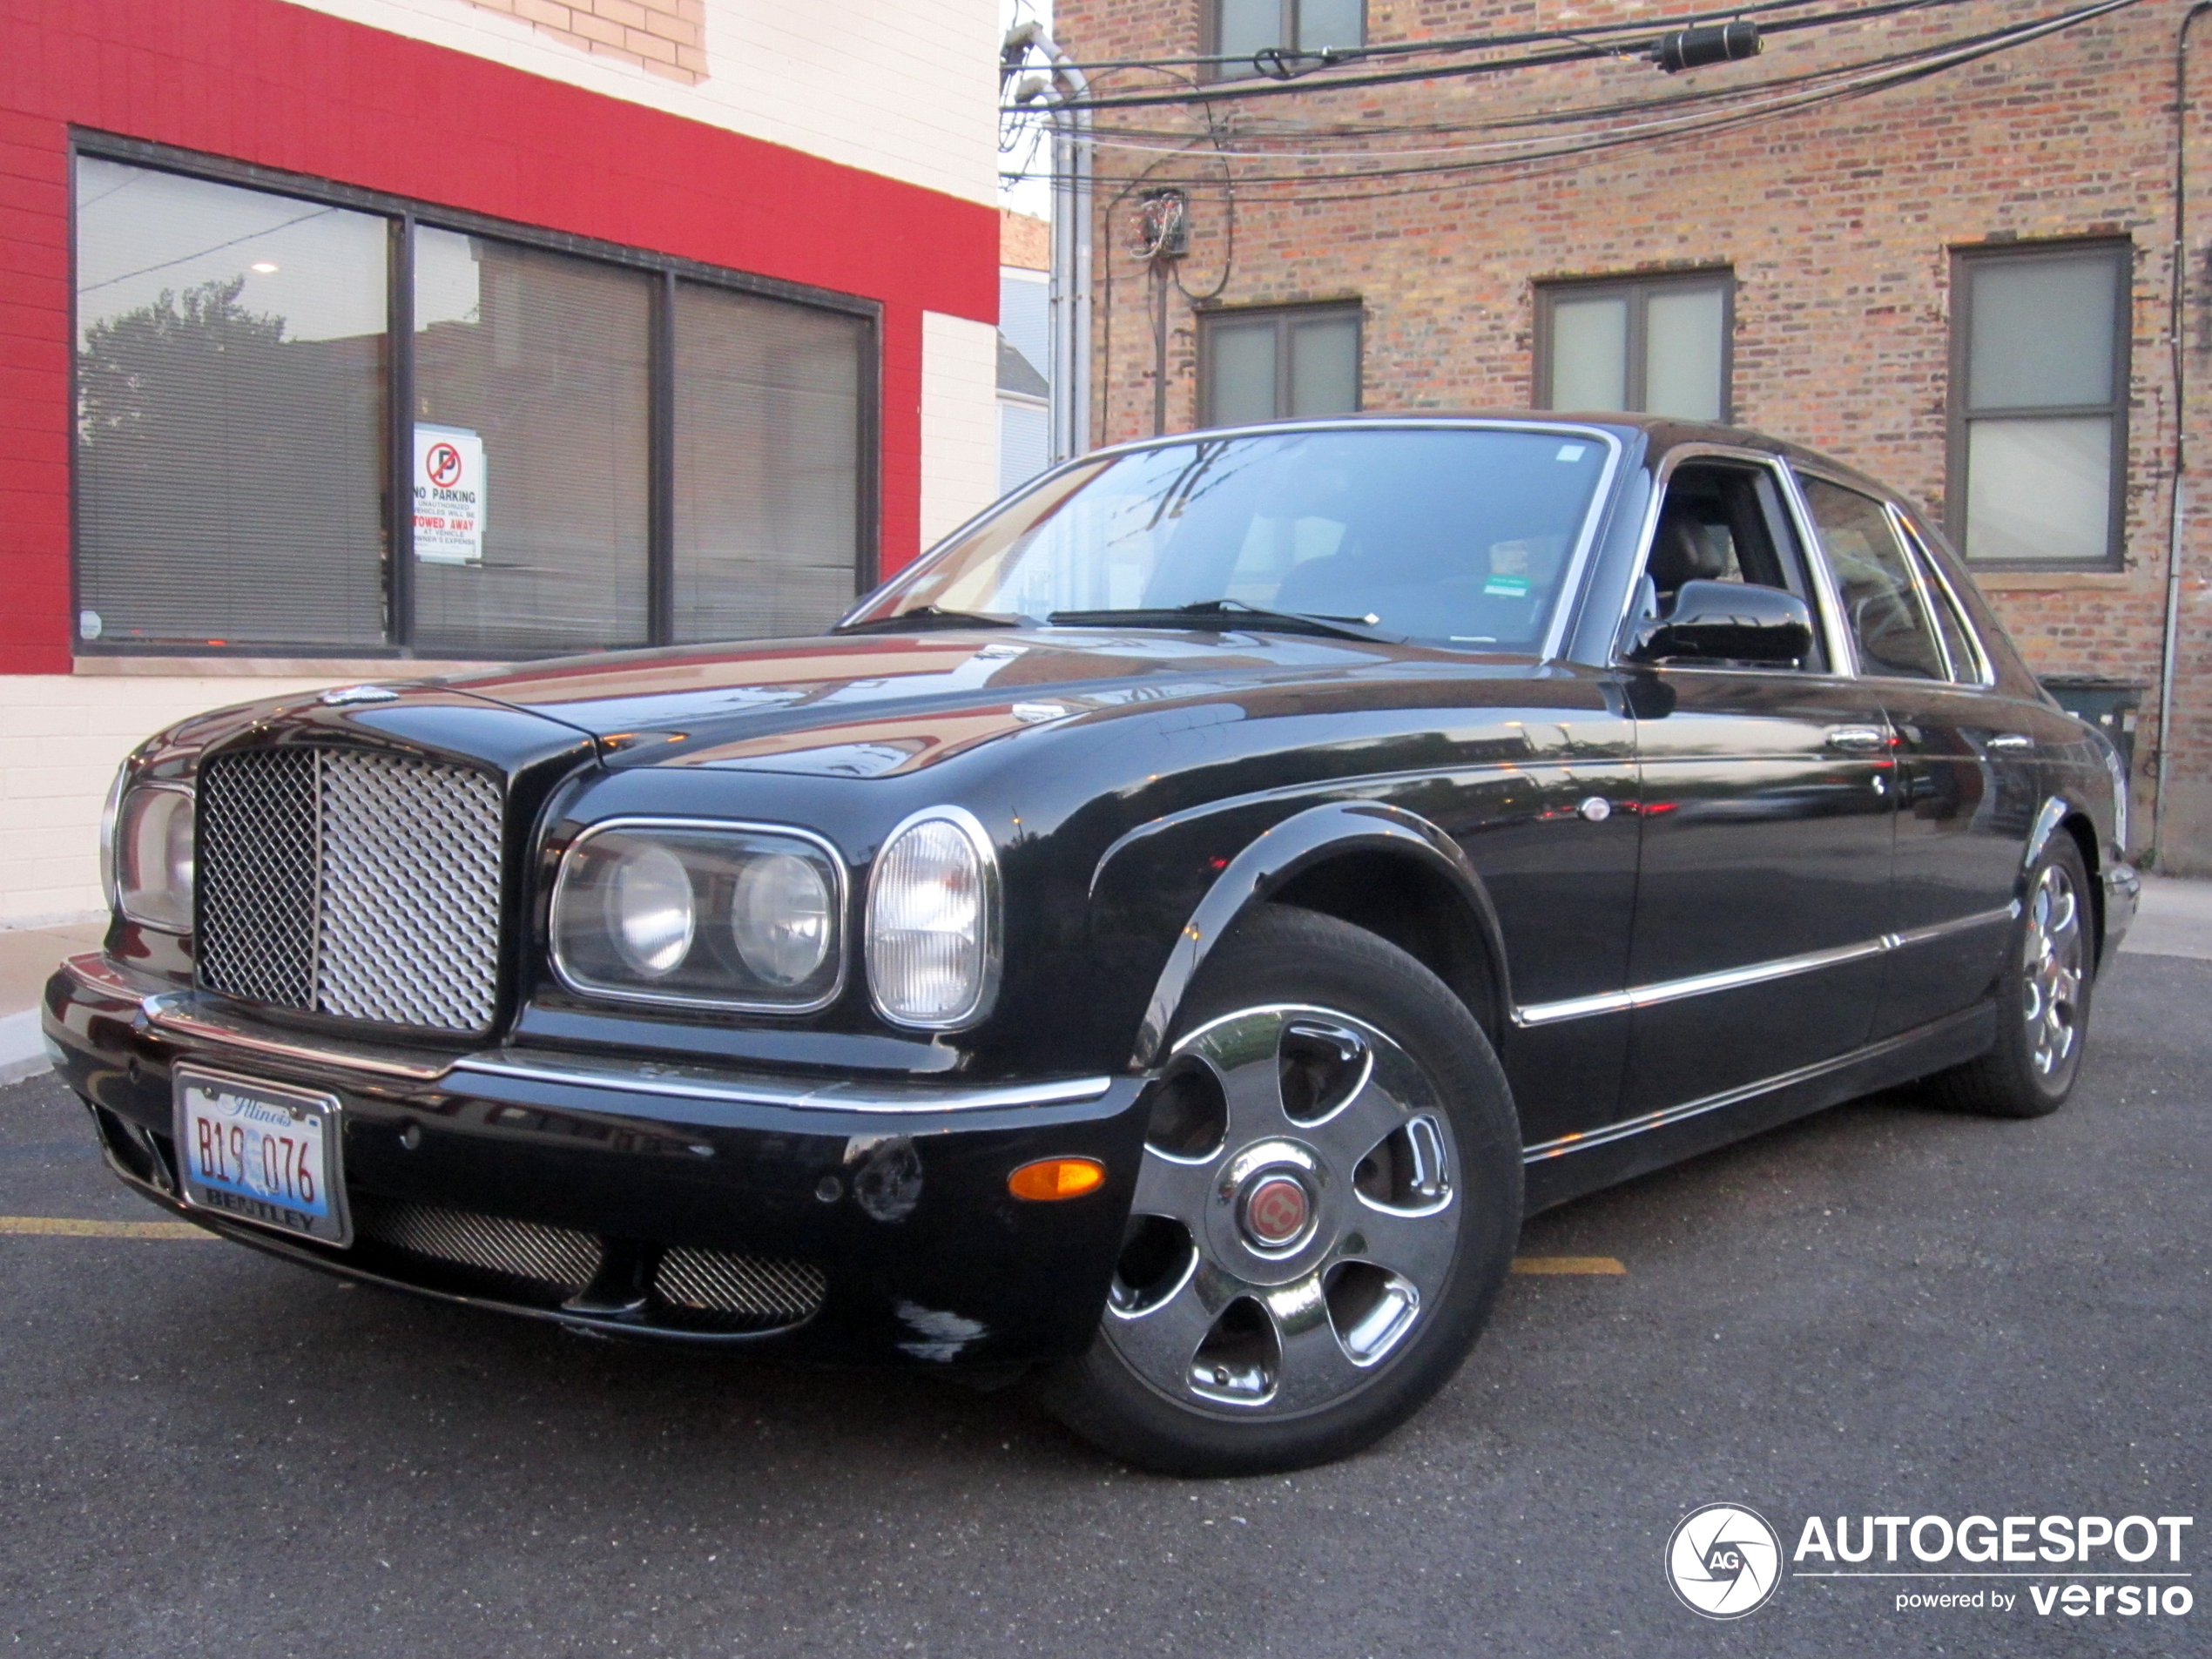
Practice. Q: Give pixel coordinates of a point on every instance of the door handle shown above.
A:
(2010, 742)
(1858, 739)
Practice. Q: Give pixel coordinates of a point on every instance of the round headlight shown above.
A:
(779, 915)
(650, 911)
(930, 940)
(153, 858)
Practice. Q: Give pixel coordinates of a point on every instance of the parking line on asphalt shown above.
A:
(1597, 1264)
(70, 1227)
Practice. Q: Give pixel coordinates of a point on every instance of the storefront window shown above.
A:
(230, 385)
(534, 368)
(252, 448)
(766, 436)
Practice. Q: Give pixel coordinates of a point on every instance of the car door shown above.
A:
(1967, 794)
(1764, 870)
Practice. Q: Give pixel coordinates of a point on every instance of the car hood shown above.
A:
(870, 704)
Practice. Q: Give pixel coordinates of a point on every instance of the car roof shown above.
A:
(1661, 433)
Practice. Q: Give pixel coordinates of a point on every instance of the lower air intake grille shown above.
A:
(753, 1288)
(554, 1256)
(348, 882)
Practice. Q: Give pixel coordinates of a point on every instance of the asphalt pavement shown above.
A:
(1884, 1310)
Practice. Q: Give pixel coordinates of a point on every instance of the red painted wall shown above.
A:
(259, 81)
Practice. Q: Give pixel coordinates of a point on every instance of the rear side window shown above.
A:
(1968, 667)
(1881, 602)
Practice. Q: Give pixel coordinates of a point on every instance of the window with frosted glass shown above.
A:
(231, 415)
(1269, 365)
(1655, 347)
(539, 362)
(1243, 31)
(768, 439)
(2038, 403)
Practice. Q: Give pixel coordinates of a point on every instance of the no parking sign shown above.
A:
(449, 495)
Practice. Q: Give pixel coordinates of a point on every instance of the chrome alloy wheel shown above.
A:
(2051, 981)
(1295, 1214)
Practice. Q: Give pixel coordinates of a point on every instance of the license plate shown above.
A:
(263, 1153)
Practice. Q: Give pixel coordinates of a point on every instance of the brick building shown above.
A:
(351, 339)
(1972, 261)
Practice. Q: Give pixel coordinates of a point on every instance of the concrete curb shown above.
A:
(22, 1050)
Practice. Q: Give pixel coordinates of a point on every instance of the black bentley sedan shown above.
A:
(1164, 940)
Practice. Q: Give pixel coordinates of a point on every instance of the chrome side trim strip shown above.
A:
(1730, 978)
(1956, 924)
(1670, 1114)
(830, 1097)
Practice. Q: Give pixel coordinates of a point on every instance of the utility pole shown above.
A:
(1071, 247)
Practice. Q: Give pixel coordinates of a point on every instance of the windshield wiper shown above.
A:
(1230, 613)
(928, 617)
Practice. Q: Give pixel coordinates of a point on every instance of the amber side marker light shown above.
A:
(1050, 1178)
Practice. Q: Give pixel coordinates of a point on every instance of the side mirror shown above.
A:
(1730, 622)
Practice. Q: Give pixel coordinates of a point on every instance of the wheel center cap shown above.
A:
(1275, 1210)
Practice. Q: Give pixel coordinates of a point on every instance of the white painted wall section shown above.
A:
(905, 88)
(959, 434)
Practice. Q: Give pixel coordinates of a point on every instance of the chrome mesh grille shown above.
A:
(774, 1293)
(551, 1256)
(258, 881)
(351, 883)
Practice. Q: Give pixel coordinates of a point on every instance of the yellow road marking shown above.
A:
(69, 1226)
(1567, 1265)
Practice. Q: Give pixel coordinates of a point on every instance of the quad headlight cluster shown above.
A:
(147, 847)
(720, 915)
(753, 917)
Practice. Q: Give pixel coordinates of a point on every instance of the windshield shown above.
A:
(1452, 535)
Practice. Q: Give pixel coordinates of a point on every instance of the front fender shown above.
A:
(1269, 861)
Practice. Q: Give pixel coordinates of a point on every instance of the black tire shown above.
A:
(1315, 1005)
(2043, 997)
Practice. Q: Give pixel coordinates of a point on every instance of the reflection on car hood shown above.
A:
(869, 705)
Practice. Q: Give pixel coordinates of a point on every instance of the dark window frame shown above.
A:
(403, 215)
(1960, 413)
(1287, 11)
(1281, 317)
(1637, 290)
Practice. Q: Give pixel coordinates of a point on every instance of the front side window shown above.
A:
(1271, 364)
(2039, 441)
(1252, 37)
(1656, 346)
(1881, 601)
(309, 426)
(1457, 536)
(1722, 521)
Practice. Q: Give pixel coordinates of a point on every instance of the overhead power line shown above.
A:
(1640, 26)
(1568, 47)
(1740, 106)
